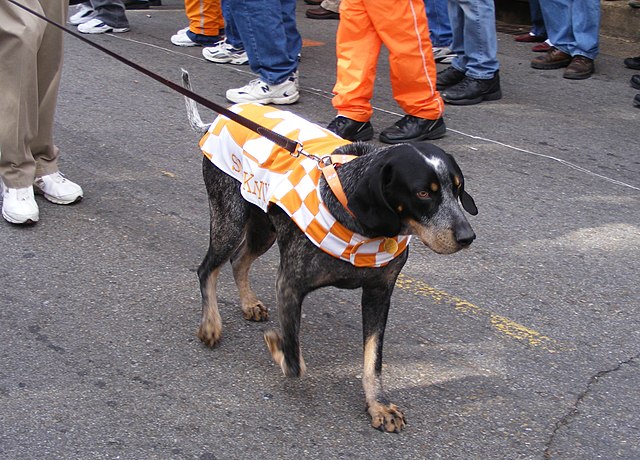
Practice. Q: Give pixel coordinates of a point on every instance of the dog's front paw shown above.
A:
(274, 342)
(209, 333)
(386, 417)
(255, 312)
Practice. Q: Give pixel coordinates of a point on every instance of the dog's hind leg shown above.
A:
(376, 300)
(259, 237)
(229, 213)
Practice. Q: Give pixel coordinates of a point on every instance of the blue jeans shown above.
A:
(537, 21)
(439, 25)
(230, 30)
(573, 25)
(267, 29)
(474, 37)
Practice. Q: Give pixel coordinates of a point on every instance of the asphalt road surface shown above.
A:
(525, 346)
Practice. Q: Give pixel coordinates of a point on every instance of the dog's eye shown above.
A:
(423, 194)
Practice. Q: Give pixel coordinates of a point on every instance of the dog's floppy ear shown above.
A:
(465, 199)
(369, 204)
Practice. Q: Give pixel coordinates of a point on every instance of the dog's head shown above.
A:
(416, 188)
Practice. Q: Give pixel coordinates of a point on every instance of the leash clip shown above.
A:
(300, 151)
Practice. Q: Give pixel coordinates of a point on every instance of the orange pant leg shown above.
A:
(402, 26)
(357, 51)
(205, 16)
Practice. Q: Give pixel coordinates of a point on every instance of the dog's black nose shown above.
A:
(465, 236)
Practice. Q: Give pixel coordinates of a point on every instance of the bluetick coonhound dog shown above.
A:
(406, 189)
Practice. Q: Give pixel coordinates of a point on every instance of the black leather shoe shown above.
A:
(636, 100)
(410, 128)
(473, 91)
(135, 5)
(633, 63)
(635, 81)
(351, 130)
(448, 77)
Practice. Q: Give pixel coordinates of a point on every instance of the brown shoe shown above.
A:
(552, 59)
(321, 13)
(541, 48)
(530, 38)
(580, 68)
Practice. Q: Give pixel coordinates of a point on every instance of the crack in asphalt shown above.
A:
(565, 420)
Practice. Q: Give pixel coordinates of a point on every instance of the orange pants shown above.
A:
(205, 16)
(401, 25)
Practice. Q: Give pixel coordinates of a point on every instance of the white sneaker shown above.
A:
(19, 205)
(58, 189)
(83, 13)
(96, 26)
(264, 93)
(182, 39)
(443, 54)
(224, 53)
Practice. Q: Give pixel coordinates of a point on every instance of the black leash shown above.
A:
(289, 145)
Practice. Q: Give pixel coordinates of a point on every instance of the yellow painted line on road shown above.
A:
(503, 325)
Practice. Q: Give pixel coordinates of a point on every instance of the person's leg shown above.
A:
(411, 63)
(480, 39)
(457, 20)
(205, 21)
(538, 28)
(267, 30)
(357, 50)
(232, 35)
(50, 57)
(111, 12)
(585, 20)
(439, 24)
(557, 18)
(292, 36)
(20, 37)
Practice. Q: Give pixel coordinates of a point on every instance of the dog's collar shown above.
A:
(328, 167)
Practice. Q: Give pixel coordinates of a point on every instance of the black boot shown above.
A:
(351, 130)
(410, 128)
(448, 77)
(473, 91)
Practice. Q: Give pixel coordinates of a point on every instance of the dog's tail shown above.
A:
(192, 109)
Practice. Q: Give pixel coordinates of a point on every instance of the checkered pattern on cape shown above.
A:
(268, 174)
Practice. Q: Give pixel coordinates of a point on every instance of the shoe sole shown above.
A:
(102, 31)
(577, 76)
(29, 220)
(270, 100)
(227, 61)
(57, 200)
(476, 100)
(430, 136)
(555, 65)
(185, 44)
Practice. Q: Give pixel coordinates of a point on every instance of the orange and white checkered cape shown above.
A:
(269, 174)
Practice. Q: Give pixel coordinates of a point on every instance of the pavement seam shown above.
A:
(573, 411)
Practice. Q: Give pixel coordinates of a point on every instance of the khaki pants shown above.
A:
(30, 69)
